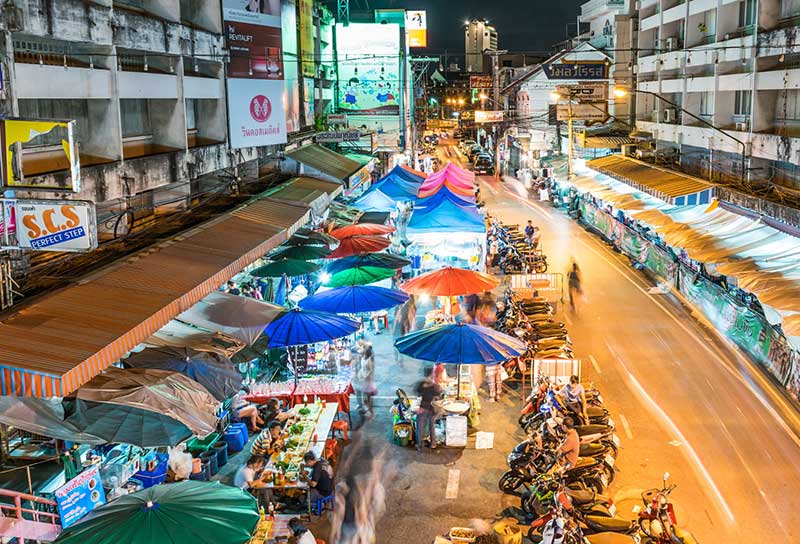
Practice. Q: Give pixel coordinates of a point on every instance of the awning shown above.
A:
(606, 142)
(326, 161)
(303, 191)
(58, 342)
(671, 187)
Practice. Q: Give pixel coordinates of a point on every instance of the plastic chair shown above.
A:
(341, 426)
(331, 450)
(321, 504)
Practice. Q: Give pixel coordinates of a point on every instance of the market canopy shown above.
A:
(460, 343)
(243, 318)
(285, 267)
(377, 260)
(398, 184)
(446, 217)
(361, 229)
(670, 186)
(182, 335)
(300, 327)
(451, 176)
(304, 252)
(375, 200)
(354, 299)
(177, 513)
(359, 275)
(44, 417)
(467, 201)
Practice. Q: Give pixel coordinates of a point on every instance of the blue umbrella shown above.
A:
(354, 299)
(299, 327)
(460, 343)
(377, 260)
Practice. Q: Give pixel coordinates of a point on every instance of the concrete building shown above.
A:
(735, 65)
(479, 36)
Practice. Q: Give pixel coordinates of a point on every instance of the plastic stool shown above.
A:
(341, 426)
(322, 503)
(331, 450)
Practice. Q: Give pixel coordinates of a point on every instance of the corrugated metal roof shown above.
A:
(326, 161)
(667, 185)
(333, 189)
(57, 343)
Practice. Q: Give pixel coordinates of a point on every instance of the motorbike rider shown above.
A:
(573, 396)
(571, 447)
(530, 231)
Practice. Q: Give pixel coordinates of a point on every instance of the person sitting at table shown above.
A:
(273, 411)
(299, 534)
(246, 411)
(320, 481)
(248, 477)
(268, 441)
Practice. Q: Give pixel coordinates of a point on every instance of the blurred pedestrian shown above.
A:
(365, 377)
(494, 382)
(428, 391)
(574, 282)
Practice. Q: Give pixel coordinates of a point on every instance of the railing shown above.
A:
(11, 509)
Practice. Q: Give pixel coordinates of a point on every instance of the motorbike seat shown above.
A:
(584, 462)
(609, 524)
(592, 429)
(581, 496)
(608, 538)
(596, 411)
(592, 449)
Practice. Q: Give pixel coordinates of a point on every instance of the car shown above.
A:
(466, 144)
(458, 134)
(483, 164)
(474, 150)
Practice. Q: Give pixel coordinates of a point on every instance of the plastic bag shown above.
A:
(507, 531)
(180, 462)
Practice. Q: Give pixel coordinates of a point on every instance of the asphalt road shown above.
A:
(684, 401)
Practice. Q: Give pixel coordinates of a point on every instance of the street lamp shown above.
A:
(621, 92)
(461, 101)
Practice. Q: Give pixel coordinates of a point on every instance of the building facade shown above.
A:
(733, 64)
(479, 36)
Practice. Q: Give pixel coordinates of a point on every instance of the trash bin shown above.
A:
(210, 457)
(221, 448)
(403, 433)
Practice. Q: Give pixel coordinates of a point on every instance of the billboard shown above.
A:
(291, 66)
(20, 134)
(369, 68)
(338, 136)
(257, 98)
(592, 92)
(488, 116)
(583, 112)
(481, 82)
(307, 36)
(577, 70)
(80, 496)
(416, 29)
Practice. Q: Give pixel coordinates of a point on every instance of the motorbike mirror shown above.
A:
(666, 477)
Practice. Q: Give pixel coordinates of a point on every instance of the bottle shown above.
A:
(271, 511)
(261, 511)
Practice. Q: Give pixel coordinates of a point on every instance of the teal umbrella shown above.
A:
(304, 253)
(188, 512)
(359, 275)
(289, 267)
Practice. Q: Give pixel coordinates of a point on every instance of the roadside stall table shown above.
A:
(272, 531)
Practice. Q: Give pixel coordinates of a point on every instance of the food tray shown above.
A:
(462, 534)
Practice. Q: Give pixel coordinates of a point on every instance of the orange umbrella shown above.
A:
(450, 282)
(361, 229)
(355, 245)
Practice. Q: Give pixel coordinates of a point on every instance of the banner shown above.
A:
(369, 68)
(307, 37)
(416, 29)
(257, 99)
(55, 225)
(20, 134)
(291, 66)
(488, 116)
(80, 496)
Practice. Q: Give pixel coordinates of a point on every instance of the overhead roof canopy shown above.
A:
(326, 161)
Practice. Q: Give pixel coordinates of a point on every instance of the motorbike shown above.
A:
(657, 519)
(545, 491)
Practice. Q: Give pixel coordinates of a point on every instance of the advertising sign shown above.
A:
(488, 116)
(586, 92)
(55, 225)
(291, 66)
(19, 134)
(369, 67)
(80, 496)
(481, 82)
(257, 99)
(577, 70)
(338, 136)
(583, 112)
(307, 36)
(337, 118)
(417, 29)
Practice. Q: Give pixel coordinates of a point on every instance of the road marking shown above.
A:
(452, 484)
(567, 319)
(595, 365)
(626, 426)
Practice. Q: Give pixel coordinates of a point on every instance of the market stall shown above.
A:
(447, 234)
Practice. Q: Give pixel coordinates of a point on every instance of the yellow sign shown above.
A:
(307, 37)
(417, 29)
(21, 134)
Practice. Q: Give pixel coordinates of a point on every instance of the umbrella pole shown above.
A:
(458, 382)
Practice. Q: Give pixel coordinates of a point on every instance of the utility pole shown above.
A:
(496, 100)
(569, 132)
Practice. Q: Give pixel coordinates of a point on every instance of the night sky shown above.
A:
(523, 25)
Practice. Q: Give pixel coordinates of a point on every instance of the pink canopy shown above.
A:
(451, 176)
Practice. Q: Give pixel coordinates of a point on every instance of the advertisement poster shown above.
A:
(307, 36)
(19, 134)
(257, 99)
(369, 66)
(308, 101)
(80, 496)
(55, 225)
(385, 127)
(417, 29)
(291, 66)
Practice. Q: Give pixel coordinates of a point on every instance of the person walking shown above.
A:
(494, 382)
(574, 281)
(365, 374)
(428, 391)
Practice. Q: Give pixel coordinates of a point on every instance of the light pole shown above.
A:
(558, 96)
(498, 129)
(621, 92)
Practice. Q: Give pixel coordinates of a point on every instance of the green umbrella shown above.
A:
(304, 253)
(184, 512)
(290, 267)
(359, 275)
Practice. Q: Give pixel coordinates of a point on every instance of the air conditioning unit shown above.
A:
(670, 115)
(672, 43)
(743, 126)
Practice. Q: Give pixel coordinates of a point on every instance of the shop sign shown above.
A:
(337, 118)
(338, 136)
(21, 134)
(577, 70)
(583, 112)
(488, 116)
(55, 225)
(591, 92)
(80, 496)
(481, 82)
(417, 29)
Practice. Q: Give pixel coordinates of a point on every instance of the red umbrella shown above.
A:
(450, 282)
(361, 229)
(355, 245)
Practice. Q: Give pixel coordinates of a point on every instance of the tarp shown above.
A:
(446, 217)
(375, 200)
(182, 335)
(398, 184)
(467, 201)
(241, 317)
(44, 417)
(451, 176)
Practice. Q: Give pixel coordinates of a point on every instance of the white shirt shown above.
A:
(307, 538)
(243, 476)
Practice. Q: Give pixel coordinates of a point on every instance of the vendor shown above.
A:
(268, 441)
(299, 534)
(320, 481)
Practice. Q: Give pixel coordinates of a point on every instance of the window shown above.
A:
(135, 117)
(707, 103)
(741, 104)
(788, 106)
(55, 109)
(790, 9)
(747, 12)
(191, 114)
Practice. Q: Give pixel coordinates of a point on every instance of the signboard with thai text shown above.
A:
(416, 29)
(481, 82)
(583, 112)
(338, 136)
(488, 116)
(80, 496)
(577, 70)
(337, 118)
(585, 92)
